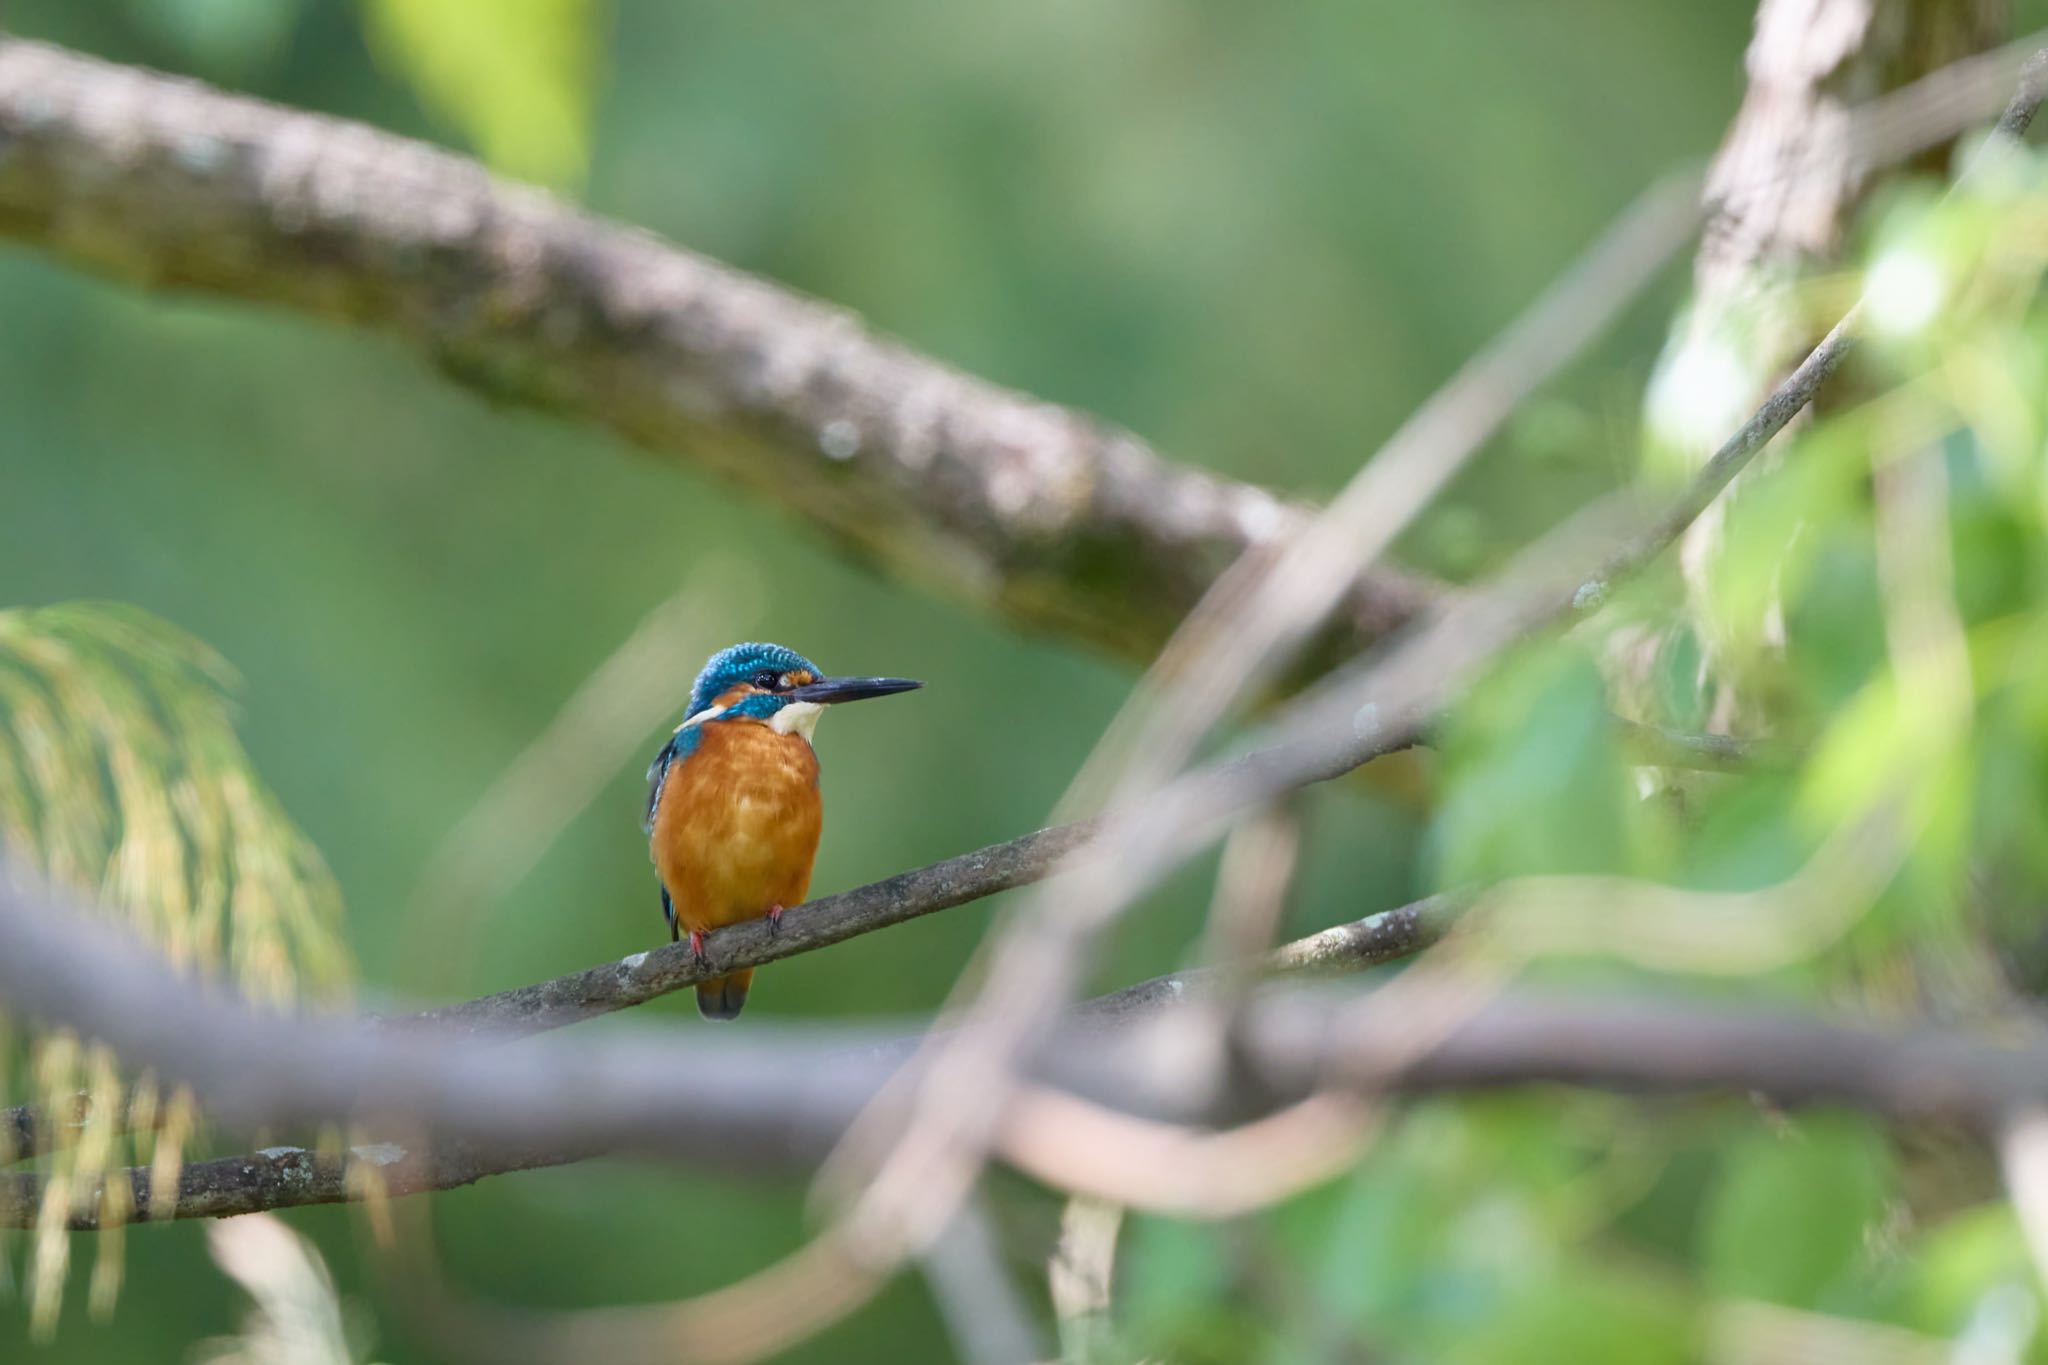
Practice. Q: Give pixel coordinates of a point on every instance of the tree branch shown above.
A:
(1045, 515)
(783, 1099)
(279, 1178)
(641, 977)
(292, 1177)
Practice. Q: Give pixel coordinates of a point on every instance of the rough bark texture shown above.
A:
(276, 1178)
(1785, 183)
(1783, 192)
(816, 924)
(1048, 516)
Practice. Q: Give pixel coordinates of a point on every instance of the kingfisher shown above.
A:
(733, 810)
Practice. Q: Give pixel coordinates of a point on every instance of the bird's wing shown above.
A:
(680, 746)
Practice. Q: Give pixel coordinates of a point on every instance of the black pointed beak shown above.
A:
(826, 691)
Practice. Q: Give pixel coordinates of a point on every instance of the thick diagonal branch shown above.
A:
(1045, 515)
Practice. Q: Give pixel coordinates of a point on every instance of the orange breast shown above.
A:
(737, 828)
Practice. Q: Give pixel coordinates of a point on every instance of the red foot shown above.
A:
(774, 919)
(697, 946)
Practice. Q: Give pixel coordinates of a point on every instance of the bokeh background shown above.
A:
(1255, 234)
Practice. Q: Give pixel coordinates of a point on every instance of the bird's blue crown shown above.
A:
(763, 665)
(748, 663)
(761, 680)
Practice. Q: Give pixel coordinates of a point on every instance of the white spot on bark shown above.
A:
(1260, 520)
(36, 111)
(199, 154)
(378, 1153)
(840, 440)
(1365, 722)
(1009, 490)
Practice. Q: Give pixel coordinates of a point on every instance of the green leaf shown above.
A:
(1835, 622)
(1745, 835)
(1589, 1314)
(516, 76)
(1391, 1221)
(1538, 783)
(1975, 1254)
(1774, 531)
(1858, 759)
(229, 36)
(1175, 1293)
(1786, 1221)
(121, 776)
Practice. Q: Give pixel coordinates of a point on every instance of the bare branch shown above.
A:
(640, 977)
(832, 919)
(1042, 514)
(1342, 949)
(782, 1098)
(290, 1177)
(280, 1178)
(2027, 100)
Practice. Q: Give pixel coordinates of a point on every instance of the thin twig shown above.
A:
(1707, 752)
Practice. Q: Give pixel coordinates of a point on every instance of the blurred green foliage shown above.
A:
(514, 75)
(121, 778)
(1258, 235)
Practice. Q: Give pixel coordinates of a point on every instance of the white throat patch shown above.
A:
(796, 718)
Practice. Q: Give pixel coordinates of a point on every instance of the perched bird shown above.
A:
(733, 810)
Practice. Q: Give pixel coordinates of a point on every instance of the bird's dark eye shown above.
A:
(766, 678)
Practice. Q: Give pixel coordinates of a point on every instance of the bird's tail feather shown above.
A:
(724, 998)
